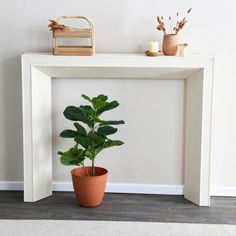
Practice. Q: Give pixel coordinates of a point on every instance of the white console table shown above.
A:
(37, 70)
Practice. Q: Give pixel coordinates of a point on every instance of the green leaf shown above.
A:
(68, 162)
(86, 97)
(111, 122)
(111, 143)
(102, 97)
(73, 156)
(88, 110)
(83, 141)
(80, 129)
(68, 133)
(92, 152)
(98, 103)
(107, 107)
(99, 145)
(107, 130)
(76, 114)
(75, 149)
(98, 149)
(102, 135)
(95, 138)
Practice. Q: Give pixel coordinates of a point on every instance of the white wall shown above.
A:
(153, 133)
(121, 26)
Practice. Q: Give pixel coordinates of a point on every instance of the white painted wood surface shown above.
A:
(42, 133)
(37, 70)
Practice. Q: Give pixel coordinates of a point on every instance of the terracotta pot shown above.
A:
(89, 190)
(170, 44)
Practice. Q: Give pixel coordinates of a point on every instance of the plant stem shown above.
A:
(85, 169)
(93, 129)
(93, 170)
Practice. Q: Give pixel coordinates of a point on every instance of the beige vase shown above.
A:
(170, 44)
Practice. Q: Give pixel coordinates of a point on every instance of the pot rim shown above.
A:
(90, 176)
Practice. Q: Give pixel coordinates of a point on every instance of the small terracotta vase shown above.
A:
(170, 44)
(89, 190)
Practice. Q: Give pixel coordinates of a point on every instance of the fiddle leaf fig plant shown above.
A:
(89, 141)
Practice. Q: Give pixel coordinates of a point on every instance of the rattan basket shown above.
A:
(74, 33)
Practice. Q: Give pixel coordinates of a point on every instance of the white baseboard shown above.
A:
(11, 185)
(145, 188)
(111, 187)
(229, 191)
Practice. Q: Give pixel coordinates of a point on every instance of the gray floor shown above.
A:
(119, 207)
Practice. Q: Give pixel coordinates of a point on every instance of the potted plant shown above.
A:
(89, 181)
(170, 40)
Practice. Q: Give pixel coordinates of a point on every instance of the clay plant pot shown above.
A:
(89, 190)
(170, 44)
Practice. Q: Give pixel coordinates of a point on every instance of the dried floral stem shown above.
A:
(161, 23)
(171, 30)
(179, 24)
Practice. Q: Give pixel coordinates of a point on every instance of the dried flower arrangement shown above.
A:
(56, 26)
(179, 24)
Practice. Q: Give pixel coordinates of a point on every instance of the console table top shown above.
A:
(118, 60)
